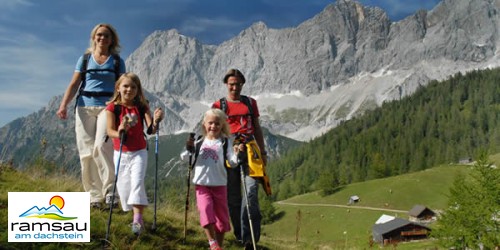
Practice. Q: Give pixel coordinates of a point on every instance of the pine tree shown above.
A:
(267, 209)
(473, 216)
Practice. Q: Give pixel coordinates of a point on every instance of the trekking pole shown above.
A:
(245, 193)
(122, 139)
(191, 136)
(156, 174)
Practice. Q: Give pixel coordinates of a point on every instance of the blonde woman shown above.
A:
(93, 84)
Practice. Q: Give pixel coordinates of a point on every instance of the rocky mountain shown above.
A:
(345, 60)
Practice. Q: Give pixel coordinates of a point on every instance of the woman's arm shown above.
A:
(68, 95)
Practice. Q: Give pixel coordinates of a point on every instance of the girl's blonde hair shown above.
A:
(114, 48)
(221, 118)
(139, 100)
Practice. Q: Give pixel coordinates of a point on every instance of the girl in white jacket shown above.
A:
(210, 177)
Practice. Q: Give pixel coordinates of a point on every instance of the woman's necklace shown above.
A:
(100, 57)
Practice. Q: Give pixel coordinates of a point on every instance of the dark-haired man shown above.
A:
(243, 119)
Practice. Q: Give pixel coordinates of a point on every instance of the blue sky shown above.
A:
(40, 41)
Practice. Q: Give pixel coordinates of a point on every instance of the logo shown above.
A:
(49, 217)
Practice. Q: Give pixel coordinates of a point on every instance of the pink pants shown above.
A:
(212, 205)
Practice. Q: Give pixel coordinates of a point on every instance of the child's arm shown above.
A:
(111, 129)
(189, 150)
(157, 117)
(185, 155)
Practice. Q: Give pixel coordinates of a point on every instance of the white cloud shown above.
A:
(32, 71)
(14, 4)
(39, 50)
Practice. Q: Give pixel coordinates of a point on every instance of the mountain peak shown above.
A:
(35, 210)
(346, 60)
(348, 57)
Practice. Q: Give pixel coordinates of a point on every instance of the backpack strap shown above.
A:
(115, 70)
(117, 111)
(84, 70)
(197, 147)
(142, 115)
(224, 150)
(247, 102)
(223, 104)
(199, 142)
(116, 63)
(245, 99)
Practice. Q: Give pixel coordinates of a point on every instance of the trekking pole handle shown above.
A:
(189, 147)
(122, 135)
(126, 121)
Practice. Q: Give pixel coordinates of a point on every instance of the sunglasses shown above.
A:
(103, 35)
(236, 84)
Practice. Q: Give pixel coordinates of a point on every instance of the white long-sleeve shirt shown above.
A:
(210, 169)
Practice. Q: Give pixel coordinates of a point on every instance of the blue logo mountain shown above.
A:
(52, 212)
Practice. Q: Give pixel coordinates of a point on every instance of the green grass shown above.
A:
(322, 226)
(319, 226)
(429, 187)
(169, 233)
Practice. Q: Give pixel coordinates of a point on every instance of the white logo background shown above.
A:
(21, 229)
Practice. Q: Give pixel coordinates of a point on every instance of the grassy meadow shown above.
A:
(308, 221)
(330, 223)
(169, 233)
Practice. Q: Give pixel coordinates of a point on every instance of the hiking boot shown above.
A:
(248, 245)
(115, 202)
(96, 205)
(136, 228)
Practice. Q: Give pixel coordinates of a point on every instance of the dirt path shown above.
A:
(341, 206)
